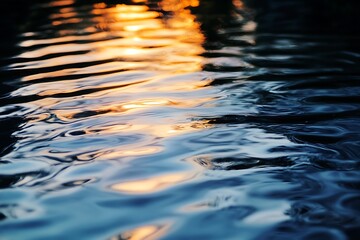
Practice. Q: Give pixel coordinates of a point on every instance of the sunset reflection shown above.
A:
(130, 106)
(160, 130)
(238, 3)
(114, 73)
(124, 33)
(167, 43)
(61, 3)
(153, 184)
(143, 233)
(179, 119)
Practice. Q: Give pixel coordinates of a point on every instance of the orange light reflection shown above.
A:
(143, 233)
(140, 35)
(151, 185)
(60, 3)
(238, 4)
(164, 51)
(160, 130)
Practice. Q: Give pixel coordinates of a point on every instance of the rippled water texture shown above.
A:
(176, 120)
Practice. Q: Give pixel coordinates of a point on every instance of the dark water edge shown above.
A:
(241, 124)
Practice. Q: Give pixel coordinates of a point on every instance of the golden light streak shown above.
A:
(168, 44)
(60, 3)
(148, 232)
(120, 40)
(153, 184)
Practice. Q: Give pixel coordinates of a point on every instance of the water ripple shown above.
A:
(177, 120)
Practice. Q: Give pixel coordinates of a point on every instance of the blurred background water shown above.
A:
(174, 119)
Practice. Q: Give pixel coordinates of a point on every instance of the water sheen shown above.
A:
(176, 120)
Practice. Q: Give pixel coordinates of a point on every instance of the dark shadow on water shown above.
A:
(329, 17)
(309, 50)
(12, 22)
(307, 16)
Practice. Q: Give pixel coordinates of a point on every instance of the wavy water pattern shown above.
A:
(176, 120)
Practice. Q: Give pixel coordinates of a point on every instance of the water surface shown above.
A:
(176, 120)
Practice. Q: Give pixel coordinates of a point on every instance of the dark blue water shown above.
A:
(179, 120)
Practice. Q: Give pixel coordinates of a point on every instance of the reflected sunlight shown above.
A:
(143, 233)
(162, 130)
(179, 119)
(151, 185)
(128, 33)
(125, 59)
(138, 105)
(61, 3)
(238, 4)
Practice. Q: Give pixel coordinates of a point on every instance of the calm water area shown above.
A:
(168, 119)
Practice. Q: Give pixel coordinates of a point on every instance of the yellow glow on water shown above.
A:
(132, 51)
(138, 22)
(151, 185)
(168, 130)
(146, 103)
(131, 8)
(140, 34)
(120, 8)
(115, 44)
(136, 15)
(178, 5)
(183, 19)
(134, 28)
(148, 232)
